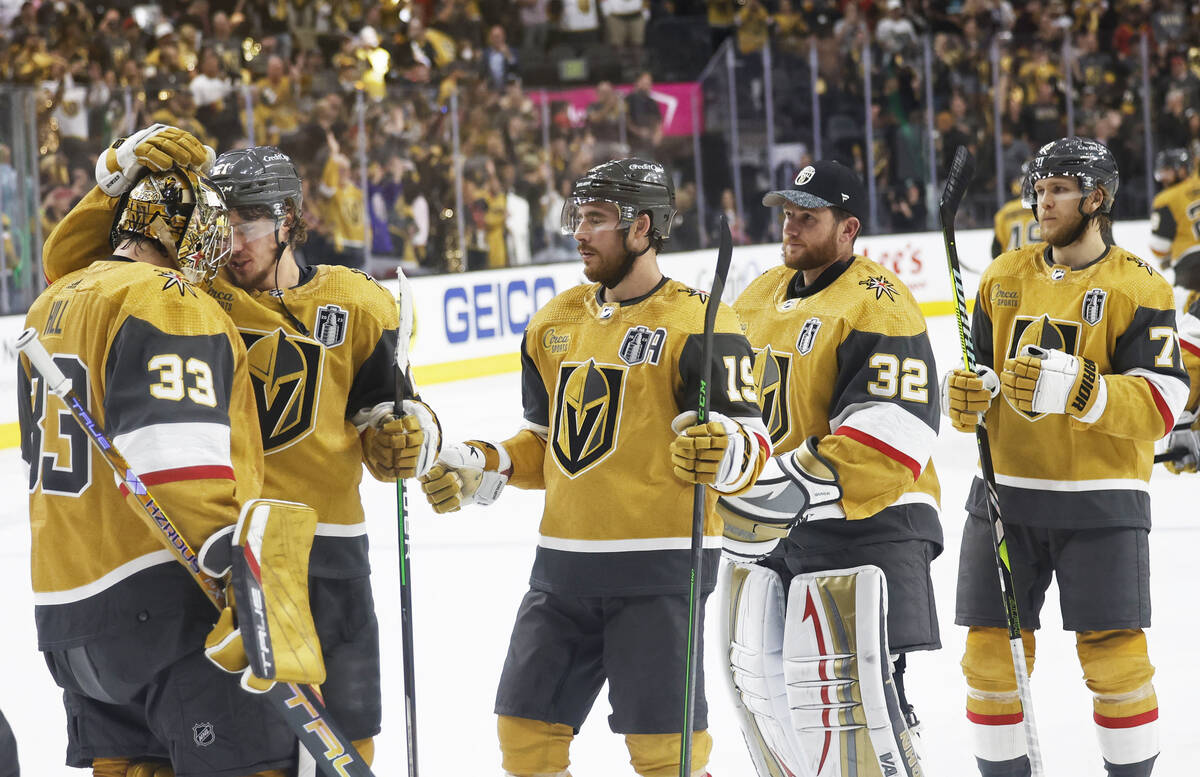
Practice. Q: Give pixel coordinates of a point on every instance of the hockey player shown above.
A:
(324, 394)
(610, 375)
(843, 373)
(121, 623)
(1015, 226)
(1078, 336)
(1175, 213)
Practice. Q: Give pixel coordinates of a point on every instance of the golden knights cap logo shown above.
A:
(1044, 332)
(1093, 306)
(285, 373)
(807, 336)
(331, 325)
(772, 370)
(587, 412)
(641, 344)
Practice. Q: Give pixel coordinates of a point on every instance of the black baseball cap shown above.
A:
(824, 184)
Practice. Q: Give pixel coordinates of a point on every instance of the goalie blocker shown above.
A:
(813, 675)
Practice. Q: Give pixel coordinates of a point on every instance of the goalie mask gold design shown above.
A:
(185, 214)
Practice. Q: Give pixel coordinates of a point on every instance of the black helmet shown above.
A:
(634, 185)
(1177, 159)
(1088, 161)
(262, 175)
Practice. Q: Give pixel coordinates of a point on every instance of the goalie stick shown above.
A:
(724, 255)
(961, 171)
(300, 706)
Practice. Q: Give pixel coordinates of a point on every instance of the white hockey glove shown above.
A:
(1046, 380)
(466, 473)
(157, 148)
(967, 395)
(719, 453)
(815, 476)
(399, 448)
(1182, 445)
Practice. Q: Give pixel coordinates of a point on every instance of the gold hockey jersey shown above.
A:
(163, 370)
(1175, 220)
(601, 383)
(1053, 470)
(1015, 227)
(848, 360)
(318, 353)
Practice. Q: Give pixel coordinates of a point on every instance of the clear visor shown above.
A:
(591, 215)
(1056, 185)
(250, 231)
(208, 243)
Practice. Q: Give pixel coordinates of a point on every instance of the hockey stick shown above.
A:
(300, 706)
(724, 255)
(961, 171)
(403, 392)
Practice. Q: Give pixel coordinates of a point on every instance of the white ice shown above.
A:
(470, 570)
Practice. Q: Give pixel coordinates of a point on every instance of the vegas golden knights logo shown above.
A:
(771, 371)
(285, 371)
(587, 412)
(1044, 332)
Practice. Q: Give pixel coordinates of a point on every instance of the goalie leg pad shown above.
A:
(753, 629)
(844, 707)
(272, 542)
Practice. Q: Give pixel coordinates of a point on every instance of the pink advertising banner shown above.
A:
(674, 103)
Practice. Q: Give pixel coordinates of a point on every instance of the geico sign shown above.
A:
(488, 310)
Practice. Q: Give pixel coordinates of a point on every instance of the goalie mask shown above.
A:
(184, 214)
(1087, 161)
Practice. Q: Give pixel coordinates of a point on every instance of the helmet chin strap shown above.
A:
(280, 247)
(1085, 222)
(630, 258)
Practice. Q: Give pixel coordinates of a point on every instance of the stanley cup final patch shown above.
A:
(808, 334)
(641, 344)
(1093, 305)
(330, 329)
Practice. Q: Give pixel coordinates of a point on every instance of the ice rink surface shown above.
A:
(470, 570)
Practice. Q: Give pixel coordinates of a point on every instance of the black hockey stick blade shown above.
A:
(724, 257)
(962, 170)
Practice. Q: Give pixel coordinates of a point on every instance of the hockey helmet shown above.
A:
(1177, 159)
(1087, 161)
(261, 175)
(634, 186)
(185, 214)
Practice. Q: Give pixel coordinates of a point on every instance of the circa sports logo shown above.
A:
(285, 375)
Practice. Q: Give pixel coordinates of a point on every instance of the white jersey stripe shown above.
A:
(128, 569)
(1172, 390)
(1073, 486)
(341, 529)
(175, 446)
(623, 546)
(893, 425)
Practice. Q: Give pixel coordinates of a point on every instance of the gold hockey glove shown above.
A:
(156, 148)
(967, 395)
(401, 447)
(472, 472)
(1047, 380)
(718, 453)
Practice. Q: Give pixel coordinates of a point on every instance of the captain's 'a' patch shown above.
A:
(330, 329)
(641, 344)
(587, 414)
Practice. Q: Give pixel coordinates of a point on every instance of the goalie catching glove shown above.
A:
(719, 453)
(472, 472)
(967, 395)
(798, 486)
(399, 448)
(156, 148)
(266, 632)
(1047, 380)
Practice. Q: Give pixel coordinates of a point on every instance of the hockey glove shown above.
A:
(401, 447)
(817, 478)
(718, 453)
(1183, 444)
(467, 473)
(1046, 380)
(967, 395)
(156, 148)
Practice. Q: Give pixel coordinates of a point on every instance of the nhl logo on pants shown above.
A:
(203, 734)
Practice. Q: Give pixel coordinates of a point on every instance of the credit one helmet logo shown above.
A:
(487, 310)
